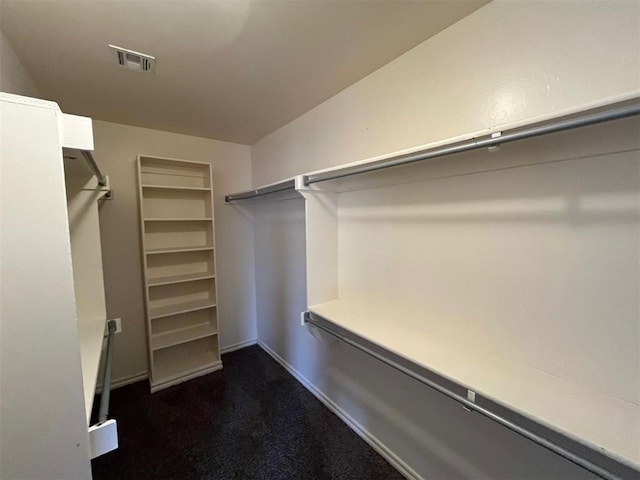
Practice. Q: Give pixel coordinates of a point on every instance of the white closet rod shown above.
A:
(259, 192)
(580, 460)
(493, 140)
(106, 376)
(102, 181)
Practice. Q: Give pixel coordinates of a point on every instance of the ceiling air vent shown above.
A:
(136, 61)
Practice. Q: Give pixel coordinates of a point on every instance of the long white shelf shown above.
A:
(91, 338)
(178, 219)
(166, 373)
(155, 251)
(182, 335)
(189, 277)
(602, 421)
(171, 187)
(178, 308)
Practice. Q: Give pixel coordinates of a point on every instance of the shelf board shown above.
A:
(178, 219)
(170, 187)
(165, 372)
(155, 251)
(182, 335)
(189, 277)
(169, 310)
(545, 398)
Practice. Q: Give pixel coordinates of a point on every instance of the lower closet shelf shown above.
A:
(175, 309)
(183, 278)
(182, 335)
(594, 418)
(174, 366)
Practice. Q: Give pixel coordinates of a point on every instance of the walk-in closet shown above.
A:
(320, 240)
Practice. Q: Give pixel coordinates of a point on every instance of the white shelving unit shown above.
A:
(495, 270)
(511, 272)
(52, 293)
(176, 218)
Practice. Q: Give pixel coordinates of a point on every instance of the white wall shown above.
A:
(116, 150)
(14, 78)
(508, 63)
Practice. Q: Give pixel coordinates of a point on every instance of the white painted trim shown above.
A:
(237, 346)
(128, 380)
(123, 381)
(103, 438)
(156, 387)
(30, 101)
(362, 432)
(76, 132)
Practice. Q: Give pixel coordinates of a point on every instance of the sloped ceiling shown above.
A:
(232, 70)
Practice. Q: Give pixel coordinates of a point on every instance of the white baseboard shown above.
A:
(237, 346)
(122, 381)
(362, 432)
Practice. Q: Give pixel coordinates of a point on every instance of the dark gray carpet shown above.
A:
(251, 420)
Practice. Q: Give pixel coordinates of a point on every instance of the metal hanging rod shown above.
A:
(491, 141)
(88, 156)
(106, 375)
(581, 461)
(259, 192)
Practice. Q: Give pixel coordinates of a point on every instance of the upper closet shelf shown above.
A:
(77, 141)
(287, 186)
(169, 175)
(491, 139)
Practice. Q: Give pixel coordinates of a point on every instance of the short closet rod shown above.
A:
(94, 167)
(278, 187)
(106, 377)
(544, 442)
(491, 141)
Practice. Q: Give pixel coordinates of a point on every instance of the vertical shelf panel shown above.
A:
(176, 214)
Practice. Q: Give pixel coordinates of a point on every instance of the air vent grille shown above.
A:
(136, 61)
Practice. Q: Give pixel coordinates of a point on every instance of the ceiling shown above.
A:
(232, 70)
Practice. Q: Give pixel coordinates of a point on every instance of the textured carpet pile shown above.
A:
(251, 420)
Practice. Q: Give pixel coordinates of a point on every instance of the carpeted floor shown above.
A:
(251, 420)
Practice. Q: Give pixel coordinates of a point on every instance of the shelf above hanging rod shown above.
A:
(261, 191)
(626, 109)
(493, 140)
(573, 450)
